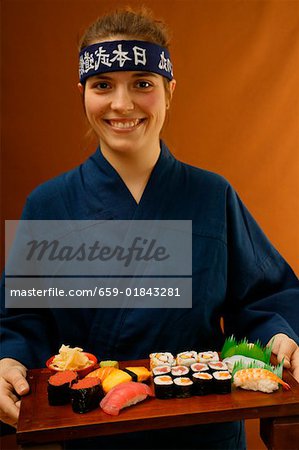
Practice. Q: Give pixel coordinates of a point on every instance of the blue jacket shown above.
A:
(237, 273)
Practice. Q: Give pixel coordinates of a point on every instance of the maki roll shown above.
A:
(199, 367)
(86, 395)
(206, 357)
(222, 382)
(164, 388)
(161, 370)
(217, 365)
(160, 359)
(202, 383)
(59, 387)
(180, 371)
(186, 358)
(183, 387)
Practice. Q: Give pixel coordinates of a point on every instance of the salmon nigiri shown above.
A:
(123, 395)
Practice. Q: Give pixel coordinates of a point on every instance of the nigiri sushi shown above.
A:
(123, 395)
(101, 373)
(117, 376)
(258, 379)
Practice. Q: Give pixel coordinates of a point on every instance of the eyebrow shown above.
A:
(104, 76)
(144, 74)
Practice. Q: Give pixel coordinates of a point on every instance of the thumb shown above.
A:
(16, 377)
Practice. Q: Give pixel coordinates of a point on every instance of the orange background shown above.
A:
(235, 109)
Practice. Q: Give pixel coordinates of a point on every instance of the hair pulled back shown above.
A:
(132, 24)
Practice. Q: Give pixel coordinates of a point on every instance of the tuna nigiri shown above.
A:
(123, 395)
(257, 379)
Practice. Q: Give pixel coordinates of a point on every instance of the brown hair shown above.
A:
(134, 24)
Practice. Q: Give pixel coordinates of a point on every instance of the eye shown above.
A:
(102, 85)
(143, 84)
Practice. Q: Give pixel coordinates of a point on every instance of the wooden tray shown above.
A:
(40, 423)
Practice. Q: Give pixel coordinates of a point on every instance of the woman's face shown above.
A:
(126, 109)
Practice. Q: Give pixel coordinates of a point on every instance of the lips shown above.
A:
(124, 124)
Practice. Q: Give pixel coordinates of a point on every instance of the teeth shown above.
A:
(126, 124)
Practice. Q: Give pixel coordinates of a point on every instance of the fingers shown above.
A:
(283, 347)
(295, 364)
(9, 404)
(12, 385)
(16, 377)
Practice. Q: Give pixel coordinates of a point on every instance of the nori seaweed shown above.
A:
(132, 374)
(164, 391)
(61, 394)
(183, 391)
(86, 399)
(202, 386)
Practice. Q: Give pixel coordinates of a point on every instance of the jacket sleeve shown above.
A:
(25, 332)
(263, 290)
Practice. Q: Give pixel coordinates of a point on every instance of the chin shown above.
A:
(124, 147)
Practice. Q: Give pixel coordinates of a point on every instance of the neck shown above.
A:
(134, 168)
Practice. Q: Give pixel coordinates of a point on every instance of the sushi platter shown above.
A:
(39, 422)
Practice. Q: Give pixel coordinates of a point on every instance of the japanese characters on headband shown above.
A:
(124, 56)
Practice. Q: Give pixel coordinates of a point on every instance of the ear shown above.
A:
(172, 85)
(81, 88)
(170, 91)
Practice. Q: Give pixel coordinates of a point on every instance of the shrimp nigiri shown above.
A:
(258, 379)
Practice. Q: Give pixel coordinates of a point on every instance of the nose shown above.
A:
(122, 101)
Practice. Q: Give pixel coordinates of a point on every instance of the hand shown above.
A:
(285, 347)
(12, 385)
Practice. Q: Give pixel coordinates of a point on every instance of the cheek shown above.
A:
(93, 107)
(155, 105)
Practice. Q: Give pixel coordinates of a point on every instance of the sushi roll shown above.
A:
(161, 370)
(202, 383)
(206, 357)
(160, 359)
(222, 382)
(164, 387)
(199, 367)
(218, 365)
(86, 395)
(186, 358)
(183, 387)
(180, 371)
(59, 387)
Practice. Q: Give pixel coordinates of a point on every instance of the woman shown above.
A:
(126, 83)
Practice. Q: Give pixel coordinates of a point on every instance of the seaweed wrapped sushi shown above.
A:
(59, 386)
(86, 394)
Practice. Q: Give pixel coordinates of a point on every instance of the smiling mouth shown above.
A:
(124, 124)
